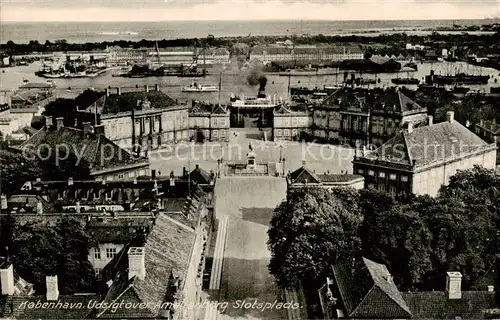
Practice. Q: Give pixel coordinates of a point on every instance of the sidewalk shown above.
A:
(218, 257)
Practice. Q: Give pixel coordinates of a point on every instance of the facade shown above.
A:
(490, 132)
(8, 124)
(362, 117)
(305, 177)
(29, 103)
(268, 54)
(421, 160)
(145, 119)
(208, 122)
(288, 124)
(105, 159)
(366, 290)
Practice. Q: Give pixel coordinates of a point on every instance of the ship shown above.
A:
(406, 81)
(411, 65)
(198, 87)
(360, 81)
(253, 102)
(459, 78)
(460, 89)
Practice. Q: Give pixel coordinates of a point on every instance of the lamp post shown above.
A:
(281, 149)
(283, 166)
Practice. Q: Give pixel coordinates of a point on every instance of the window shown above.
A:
(110, 253)
(360, 171)
(294, 132)
(97, 253)
(215, 133)
(286, 132)
(96, 195)
(278, 132)
(404, 178)
(371, 186)
(381, 174)
(392, 176)
(222, 133)
(98, 273)
(109, 193)
(392, 190)
(371, 172)
(85, 194)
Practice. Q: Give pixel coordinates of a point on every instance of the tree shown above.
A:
(38, 251)
(309, 232)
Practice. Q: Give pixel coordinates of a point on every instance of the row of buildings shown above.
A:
(306, 53)
(149, 261)
(150, 118)
(18, 109)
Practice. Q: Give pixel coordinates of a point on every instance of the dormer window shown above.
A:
(96, 195)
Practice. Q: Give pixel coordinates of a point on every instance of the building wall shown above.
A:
(154, 129)
(124, 174)
(213, 127)
(289, 127)
(101, 256)
(429, 181)
(384, 178)
(192, 289)
(23, 119)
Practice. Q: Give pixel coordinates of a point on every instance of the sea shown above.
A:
(82, 32)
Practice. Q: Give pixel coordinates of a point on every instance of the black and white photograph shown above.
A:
(249, 159)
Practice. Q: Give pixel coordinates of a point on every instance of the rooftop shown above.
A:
(167, 253)
(96, 150)
(429, 145)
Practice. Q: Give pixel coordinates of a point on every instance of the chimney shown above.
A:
(450, 115)
(430, 120)
(78, 208)
(153, 174)
(136, 263)
(410, 127)
(87, 128)
(303, 163)
(454, 285)
(52, 288)
(39, 207)
(48, 122)
(157, 87)
(107, 92)
(491, 288)
(7, 279)
(119, 91)
(146, 88)
(184, 172)
(197, 167)
(481, 123)
(70, 181)
(3, 202)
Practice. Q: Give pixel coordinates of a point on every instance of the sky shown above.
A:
(167, 10)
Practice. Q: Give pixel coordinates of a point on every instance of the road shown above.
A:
(248, 203)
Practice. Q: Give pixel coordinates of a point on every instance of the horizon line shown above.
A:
(246, 20)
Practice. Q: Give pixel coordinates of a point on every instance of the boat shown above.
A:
(333, 87)
(197, 87)
(252, 102)
(299, 72)
(407, 81)
(360, 81)
(460, 89)
(459, 78)
(411, 65)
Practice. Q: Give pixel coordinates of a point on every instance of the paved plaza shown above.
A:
(319, 157)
